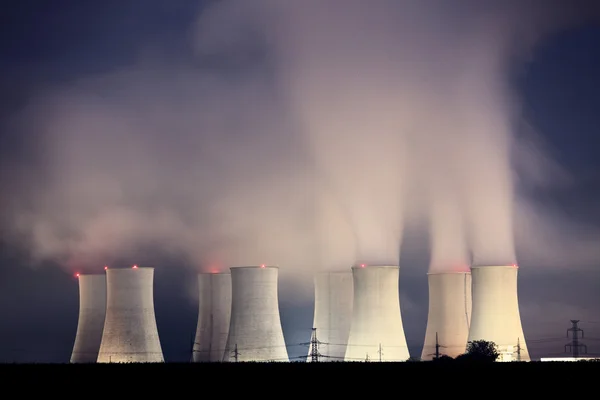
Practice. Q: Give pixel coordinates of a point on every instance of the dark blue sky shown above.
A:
(48, 43)
(562, 102)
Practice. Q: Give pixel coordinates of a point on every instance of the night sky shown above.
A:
(46, 45)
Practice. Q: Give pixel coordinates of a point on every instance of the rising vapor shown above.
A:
(409, 105)
(303, 134)
(178, 161)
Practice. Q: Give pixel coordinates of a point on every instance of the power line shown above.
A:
(547, 340)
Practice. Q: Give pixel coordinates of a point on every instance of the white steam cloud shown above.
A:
(306, 135)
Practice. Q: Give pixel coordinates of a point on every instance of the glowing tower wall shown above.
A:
(376, 318)
(92, 310)
(214, 310)
(333, 313)
(495, 315)
(449, 314)
(255, 323)
(130, 333)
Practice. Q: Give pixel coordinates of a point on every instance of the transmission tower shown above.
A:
(235, 353)
(437, 353)
(518, 349)
(314, 346)
(575, 345)
(380, 352)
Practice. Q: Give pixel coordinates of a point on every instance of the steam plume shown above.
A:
(183, 161)
(382, 90)
(306, 134)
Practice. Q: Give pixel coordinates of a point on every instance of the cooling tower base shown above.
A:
(376, 332)
(124, 358)
(333, 313)
(214, 310)
(92, 312)
(130, 333)
(255, 332)
(449, 314)
(495, 315)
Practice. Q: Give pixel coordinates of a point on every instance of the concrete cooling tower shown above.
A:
(376, 331)
(496, 311)
(255, 332)
(449, 314)
(92, 309)
(130, 333)
(214, 310)
(333, 313)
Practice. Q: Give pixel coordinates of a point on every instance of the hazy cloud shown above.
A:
(307, 135)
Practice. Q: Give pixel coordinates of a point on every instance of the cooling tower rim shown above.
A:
(255, 267)
(494, 266)
(375, 267)
(332, 272)
(450, 273)
(129, 269)
(214, 273)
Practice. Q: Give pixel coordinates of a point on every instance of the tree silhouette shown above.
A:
(480, 350)
(443, 358)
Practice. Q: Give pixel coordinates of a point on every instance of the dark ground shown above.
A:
(227, 380)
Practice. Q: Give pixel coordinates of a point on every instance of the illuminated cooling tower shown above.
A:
(496, 311)
(255, 332)
(333, 313)
(214, 310)
(449, 314)
(130, 333)
(92, 309)
(376, 331)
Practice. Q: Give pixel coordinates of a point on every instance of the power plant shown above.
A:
(376, 331)
(332, 313)
(92, 310)
(214, 310)
(130, 334)
(255, 332)
(449, 314)
(357, 316)
(495, 313)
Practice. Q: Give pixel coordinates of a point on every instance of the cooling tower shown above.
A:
(130, 333)
(92, 309)
(214, 310)
(495, 314)
(376, 331)
(449, 314)
(255, 332)
(333, 313)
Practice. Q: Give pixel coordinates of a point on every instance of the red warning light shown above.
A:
(134, 267)
(362, 265)
(77, 275)
(105, 267)
(262, 266)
